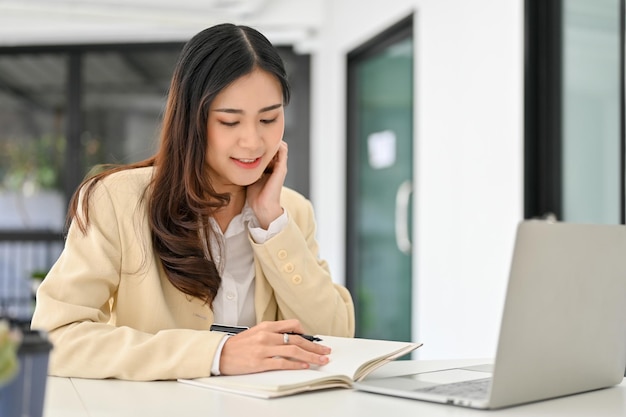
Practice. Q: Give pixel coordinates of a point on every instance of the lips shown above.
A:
(248, 163)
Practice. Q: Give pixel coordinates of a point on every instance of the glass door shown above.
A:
(380, 168)
(591, 148)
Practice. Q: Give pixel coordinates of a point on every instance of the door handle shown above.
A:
(402, 217)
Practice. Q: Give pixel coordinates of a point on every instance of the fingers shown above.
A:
(302, 343)
(277, 333)
(283, 150)
(298, 353)
(293, 356)
(288, 361)
(263, 196)
(280, 159)
(281, 326)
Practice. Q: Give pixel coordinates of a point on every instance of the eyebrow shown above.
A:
(239, 111)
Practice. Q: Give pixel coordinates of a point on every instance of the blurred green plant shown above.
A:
(28, 165)
(39, 274)
(9, 364)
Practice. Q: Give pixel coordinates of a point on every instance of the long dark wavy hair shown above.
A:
(181, 197)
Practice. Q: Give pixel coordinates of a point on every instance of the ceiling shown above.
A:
(47, 22)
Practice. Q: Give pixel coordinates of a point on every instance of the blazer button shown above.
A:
(282, 254)
(288, 267)
(296, 279)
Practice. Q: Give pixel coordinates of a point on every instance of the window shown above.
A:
(66, 109)
(574, 111)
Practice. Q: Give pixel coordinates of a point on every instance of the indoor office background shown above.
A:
(422, 131)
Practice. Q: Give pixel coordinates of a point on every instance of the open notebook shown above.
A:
(351, 359)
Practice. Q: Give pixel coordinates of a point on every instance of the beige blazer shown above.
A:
(111, 312)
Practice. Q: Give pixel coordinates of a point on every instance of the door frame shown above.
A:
(373, 46)
(543, 108)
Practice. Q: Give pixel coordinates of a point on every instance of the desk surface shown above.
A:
(74, 397)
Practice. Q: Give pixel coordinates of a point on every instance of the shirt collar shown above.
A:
(238, 224)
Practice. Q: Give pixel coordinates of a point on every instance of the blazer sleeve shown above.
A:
(301, 281)
(75, 304)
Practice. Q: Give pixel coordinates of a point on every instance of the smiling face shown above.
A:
(244, 129)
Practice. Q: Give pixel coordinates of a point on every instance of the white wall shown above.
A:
(468, 156)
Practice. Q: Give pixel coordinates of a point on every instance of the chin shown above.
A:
(246, 182)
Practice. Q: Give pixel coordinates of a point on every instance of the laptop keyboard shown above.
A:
(474, 389)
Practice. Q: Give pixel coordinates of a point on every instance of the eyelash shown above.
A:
(264, 121)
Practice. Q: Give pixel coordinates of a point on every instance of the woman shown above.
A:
(203, 232)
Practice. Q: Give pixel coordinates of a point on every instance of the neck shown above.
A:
(224, 215)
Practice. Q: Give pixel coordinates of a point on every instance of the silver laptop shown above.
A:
(563, 328)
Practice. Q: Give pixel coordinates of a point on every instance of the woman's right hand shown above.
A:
(262, 348)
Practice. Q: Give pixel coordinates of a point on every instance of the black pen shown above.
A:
(238, 329)
(307, 336)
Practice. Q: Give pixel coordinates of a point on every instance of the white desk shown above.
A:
(74, 397)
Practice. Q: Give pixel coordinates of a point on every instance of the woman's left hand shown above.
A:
(264, 195)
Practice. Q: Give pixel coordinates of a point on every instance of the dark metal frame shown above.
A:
(543, 78)
(542, 108)
(622, 130)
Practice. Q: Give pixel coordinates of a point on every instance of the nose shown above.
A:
(249, 136)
